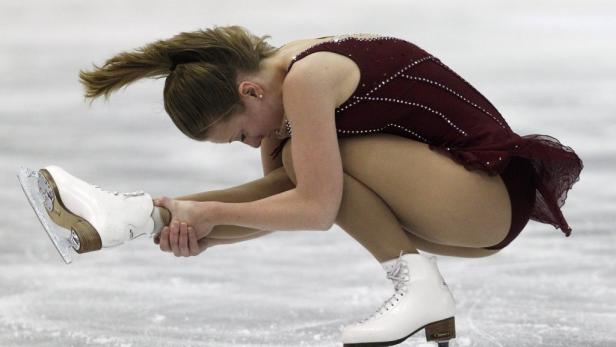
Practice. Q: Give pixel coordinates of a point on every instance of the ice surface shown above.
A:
(549, 67)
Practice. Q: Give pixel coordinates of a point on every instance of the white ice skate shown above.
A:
(421, 300)
(78, 215)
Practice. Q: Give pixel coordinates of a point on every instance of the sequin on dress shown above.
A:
(405, 91)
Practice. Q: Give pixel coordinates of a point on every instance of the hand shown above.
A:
(181, 239)
(193, 213)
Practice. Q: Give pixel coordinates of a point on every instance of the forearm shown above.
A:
(213, 241)
(284, 211)
(276, 181)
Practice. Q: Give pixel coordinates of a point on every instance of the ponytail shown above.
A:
(125, 68)
(200, 68)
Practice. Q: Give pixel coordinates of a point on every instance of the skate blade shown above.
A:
(61, 238)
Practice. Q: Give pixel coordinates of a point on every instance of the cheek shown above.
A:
(277, 116)
(269, 121)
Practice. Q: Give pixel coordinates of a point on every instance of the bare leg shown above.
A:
(364, 214)
(366, 218)
(373, 206)
(452, 251)
(379, 231)
(430, 194)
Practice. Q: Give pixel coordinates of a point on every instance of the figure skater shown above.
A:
(368, 132)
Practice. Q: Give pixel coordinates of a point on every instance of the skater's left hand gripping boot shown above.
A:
(421, 300)
(95, 217)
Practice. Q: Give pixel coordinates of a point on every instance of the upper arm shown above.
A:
(309, 98)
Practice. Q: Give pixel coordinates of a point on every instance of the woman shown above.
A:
(387, 142)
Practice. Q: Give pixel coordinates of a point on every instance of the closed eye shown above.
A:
(242, 137)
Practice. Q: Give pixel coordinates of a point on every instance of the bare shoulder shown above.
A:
(334, 76)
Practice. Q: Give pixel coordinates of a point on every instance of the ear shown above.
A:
(249, 88)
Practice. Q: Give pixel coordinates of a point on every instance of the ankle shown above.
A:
(393, 256)
(161, 217)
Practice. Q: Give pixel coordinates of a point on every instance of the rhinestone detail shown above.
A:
(385, 81)
(287, 127)
(341, 38)
(284, 131)
(456, 94)
(456, 74)
(381, 129)
(417, 105)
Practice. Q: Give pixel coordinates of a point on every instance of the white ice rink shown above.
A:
(548, 66)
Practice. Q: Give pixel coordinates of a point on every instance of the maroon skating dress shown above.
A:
(405, 91)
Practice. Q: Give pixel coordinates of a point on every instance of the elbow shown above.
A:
(326, 225)
(328, 217)
(321, 219)
(331, 219)
(324, 211)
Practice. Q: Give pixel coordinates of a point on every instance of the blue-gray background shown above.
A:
(549, 66)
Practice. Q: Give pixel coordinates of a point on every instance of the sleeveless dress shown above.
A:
(405, 91)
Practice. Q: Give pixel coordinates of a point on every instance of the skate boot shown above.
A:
(421, 300)
(78, 215)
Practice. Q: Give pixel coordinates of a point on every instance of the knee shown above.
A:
(287, 161)
(350, 150)
(353, 151)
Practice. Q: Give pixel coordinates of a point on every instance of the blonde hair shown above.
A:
(200, 68)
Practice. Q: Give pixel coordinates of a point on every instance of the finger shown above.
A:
(184, 251)
(164, 240)
(157, 238)
(173, 238)
(193, 243)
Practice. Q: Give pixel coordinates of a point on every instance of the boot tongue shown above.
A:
(398, 275)
(417, 265)
(391, 263)
(396, 271)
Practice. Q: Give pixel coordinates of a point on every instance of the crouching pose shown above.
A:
(368, 132)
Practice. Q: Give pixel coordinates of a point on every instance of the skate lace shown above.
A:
(399, 274)
(116, 193)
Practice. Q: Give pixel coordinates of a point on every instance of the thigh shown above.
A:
(451, 251)
(433, 196)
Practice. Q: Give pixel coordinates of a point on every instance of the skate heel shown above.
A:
(84, 237)
(441, 331)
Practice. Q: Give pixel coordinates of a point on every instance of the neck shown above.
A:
(272, 72)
